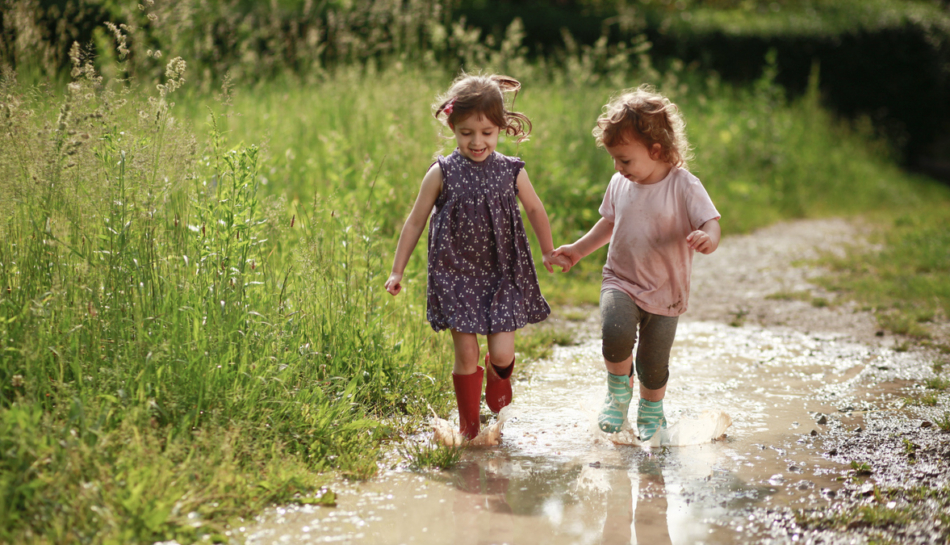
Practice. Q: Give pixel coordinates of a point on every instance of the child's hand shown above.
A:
(553, 259)
(393, 284)
(700, 241)
(567, 257)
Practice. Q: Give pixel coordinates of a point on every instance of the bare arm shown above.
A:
(598, 235)
(538, 217)
(415, 223)
(705, 240)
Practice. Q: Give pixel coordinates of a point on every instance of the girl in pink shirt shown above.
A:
(655, 214)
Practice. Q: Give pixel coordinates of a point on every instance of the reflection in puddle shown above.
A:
(556, 479)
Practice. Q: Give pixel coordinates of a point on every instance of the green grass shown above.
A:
(905, 279)
(192, 316)
(427, 455)
(937, 383)
(914, 504)
(761, 158)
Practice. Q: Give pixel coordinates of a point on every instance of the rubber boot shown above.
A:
(650, 418)
(498, 385)
(614, 410)
(468, 395)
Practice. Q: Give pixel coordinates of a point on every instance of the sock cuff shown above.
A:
(502, 372)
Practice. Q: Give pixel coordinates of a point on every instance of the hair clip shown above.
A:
(448, 108)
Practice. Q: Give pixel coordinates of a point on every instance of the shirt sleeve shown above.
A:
(699, 206)
(516, 166)
(607, 207)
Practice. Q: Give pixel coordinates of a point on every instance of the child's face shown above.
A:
(638, 164)
(476, 136)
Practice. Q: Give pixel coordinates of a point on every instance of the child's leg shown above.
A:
(501, 349)
(467, 379)
(466, 353)
(619, 333)
(499, 363)
(653, 368)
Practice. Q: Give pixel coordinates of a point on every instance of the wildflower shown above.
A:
(17, 381)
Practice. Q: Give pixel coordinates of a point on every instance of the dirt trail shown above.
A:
(810, 389)
(734, 283)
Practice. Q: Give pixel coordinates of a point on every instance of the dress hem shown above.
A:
(531, 319)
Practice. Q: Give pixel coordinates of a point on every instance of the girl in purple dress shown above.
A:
(481, 276)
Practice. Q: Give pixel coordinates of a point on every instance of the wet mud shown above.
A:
(806, 409)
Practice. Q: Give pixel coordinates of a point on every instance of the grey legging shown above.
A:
(621, 317)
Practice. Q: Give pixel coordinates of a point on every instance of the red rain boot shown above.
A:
(498, 387)
(468, 394)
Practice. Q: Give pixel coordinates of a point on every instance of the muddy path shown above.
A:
(810, 390)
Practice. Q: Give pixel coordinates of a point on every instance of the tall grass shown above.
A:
(158, 314)
(762, 157)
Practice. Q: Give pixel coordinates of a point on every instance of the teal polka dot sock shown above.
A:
(650, 418)
(614, 410)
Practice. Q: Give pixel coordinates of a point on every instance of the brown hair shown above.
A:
(648, 117)
(485, 96)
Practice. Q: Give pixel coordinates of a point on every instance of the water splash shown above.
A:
(689, 430)
(446, 433)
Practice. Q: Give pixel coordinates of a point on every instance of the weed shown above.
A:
(930, 399)
(324, 498)
(425, 455)
(910, 450)
(937, 383)
(738, 317)
(820, 302)
(903, 324)
(944, 422)
(861, 468)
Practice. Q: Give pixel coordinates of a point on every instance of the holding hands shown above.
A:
(554, 259)
(567, 256)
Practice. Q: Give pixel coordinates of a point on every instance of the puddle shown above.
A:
(555, 479)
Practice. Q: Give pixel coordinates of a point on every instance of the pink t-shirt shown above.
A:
(649, 258)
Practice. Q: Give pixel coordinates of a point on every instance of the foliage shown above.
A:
(145, 316)
(905, 281)
(192, 324)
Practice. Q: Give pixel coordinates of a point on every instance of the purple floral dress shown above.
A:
(481, 274)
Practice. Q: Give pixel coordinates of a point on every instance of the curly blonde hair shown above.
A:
(485, 96)
(648, 117)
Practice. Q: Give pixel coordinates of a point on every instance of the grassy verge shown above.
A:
(904, 279)
(175, 349)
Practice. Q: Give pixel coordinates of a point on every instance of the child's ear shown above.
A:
(656, 150)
